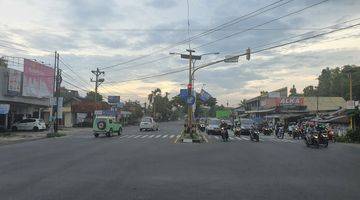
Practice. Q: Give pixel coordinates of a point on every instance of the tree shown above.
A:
(310, 91)
(262, 93)
(3, 63)
(293, 92)
(136, 111)
(243, 103)
(91, 96)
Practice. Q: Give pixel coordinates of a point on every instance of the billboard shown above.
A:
(38, 80)
(113, 99)
(14, 82)
(223, 114)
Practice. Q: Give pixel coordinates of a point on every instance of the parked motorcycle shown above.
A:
(280, 133)
(266, 131)
(254, 135)
(224, 134)
(316, 139)
(237, 131)
(297, 133)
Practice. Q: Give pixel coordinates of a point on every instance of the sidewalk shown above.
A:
(11, 137)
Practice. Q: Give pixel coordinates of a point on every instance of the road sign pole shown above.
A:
(190, 93)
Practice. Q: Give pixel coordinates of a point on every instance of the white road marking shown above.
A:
(178, 136)
(245, 138)
(158, 136)
(231, 138)
(171, 136)
(239, 138)
(164, 136)
(217, 137)
(137, 136)
(144, 136)
(151, 136)
(131, 136)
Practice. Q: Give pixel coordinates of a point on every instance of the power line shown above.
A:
(256, 51)
(262, 24)
(70, 68)
(229, 23)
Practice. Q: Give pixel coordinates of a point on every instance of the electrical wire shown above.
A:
(262, 24)
(254, 52)
(219, 27)
(70, 68)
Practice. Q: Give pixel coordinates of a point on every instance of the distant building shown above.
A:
(14, 105)
(276, 105)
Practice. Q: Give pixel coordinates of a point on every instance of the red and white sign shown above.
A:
(38, 79)
(297, 101)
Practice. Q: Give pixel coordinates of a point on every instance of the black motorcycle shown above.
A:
(316, 139)
(224, 134)
(201, 127)
(254, 135)
(297, 134)
(266, 131)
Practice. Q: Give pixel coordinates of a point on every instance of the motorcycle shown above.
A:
(316, 139)
(280, 133)
(201, 127)
(254, 135)
(237, 131)
(224, 134)
(266, 131)
(331, 135)
(297, 134)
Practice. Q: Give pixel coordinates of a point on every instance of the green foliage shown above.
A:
(293, 92)
(310, 91)
(352, 136)
(3, 63)
(136, 111)
(91, 96)
(335, 82)
(51, 135)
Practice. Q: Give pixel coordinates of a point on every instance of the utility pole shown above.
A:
(58, 80)
(97, 81)
(145, 108)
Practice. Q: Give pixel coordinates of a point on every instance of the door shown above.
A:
(22, 124)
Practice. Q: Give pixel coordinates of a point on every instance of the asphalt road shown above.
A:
(148, 165)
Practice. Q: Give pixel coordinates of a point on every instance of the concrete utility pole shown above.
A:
(56, 86)
(97, 81)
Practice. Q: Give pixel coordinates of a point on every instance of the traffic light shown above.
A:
(248, 54)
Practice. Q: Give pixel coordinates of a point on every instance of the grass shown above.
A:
(52, 135)
(195, 136)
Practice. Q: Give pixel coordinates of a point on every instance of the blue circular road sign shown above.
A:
(190, 100)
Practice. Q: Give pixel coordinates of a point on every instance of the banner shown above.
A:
(38, 79)
(14, 82)
(204, 96)
(113, 99)
(4, 109)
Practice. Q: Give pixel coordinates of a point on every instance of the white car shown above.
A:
(29, 124)
(148, 123)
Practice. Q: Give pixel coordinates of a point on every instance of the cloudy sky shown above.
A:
(90, 34)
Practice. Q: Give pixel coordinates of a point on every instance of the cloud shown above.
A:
(162, 4)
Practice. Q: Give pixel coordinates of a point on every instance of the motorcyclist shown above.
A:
(224, 125)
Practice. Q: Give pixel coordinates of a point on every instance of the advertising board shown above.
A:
(38, 79)
(113, 99)
(14, 82)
